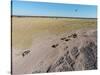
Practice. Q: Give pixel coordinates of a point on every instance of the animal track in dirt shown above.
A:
(65, 48)
(74, 57)
(75, 52)
(66, 62)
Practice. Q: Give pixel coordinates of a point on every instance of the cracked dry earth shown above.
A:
(72, 51)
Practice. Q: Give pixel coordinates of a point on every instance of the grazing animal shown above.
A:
(74, 35)
(25, 53)
(63, 38)
(54, 46)
(69, 36)
(67, 39)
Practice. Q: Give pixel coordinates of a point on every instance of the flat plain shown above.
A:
(38, 43)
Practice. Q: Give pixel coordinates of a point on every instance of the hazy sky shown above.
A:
(25, 8)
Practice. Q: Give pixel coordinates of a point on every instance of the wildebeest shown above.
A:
(67, 39)
(73, 35)
(54, 46)
(63, 38)
(25, 52)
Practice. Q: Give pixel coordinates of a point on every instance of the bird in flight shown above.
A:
(76, 10)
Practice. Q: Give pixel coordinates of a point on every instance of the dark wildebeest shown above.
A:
(54, 46)
(25, 52)
(73, 36)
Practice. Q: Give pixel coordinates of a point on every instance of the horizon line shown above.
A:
(53, 17)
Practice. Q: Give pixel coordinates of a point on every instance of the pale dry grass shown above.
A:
(25, 29)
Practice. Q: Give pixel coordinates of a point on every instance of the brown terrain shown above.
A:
(42, 45)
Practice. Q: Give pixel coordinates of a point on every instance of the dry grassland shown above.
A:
(26, 29)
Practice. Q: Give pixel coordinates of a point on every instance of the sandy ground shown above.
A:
(41, 53)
